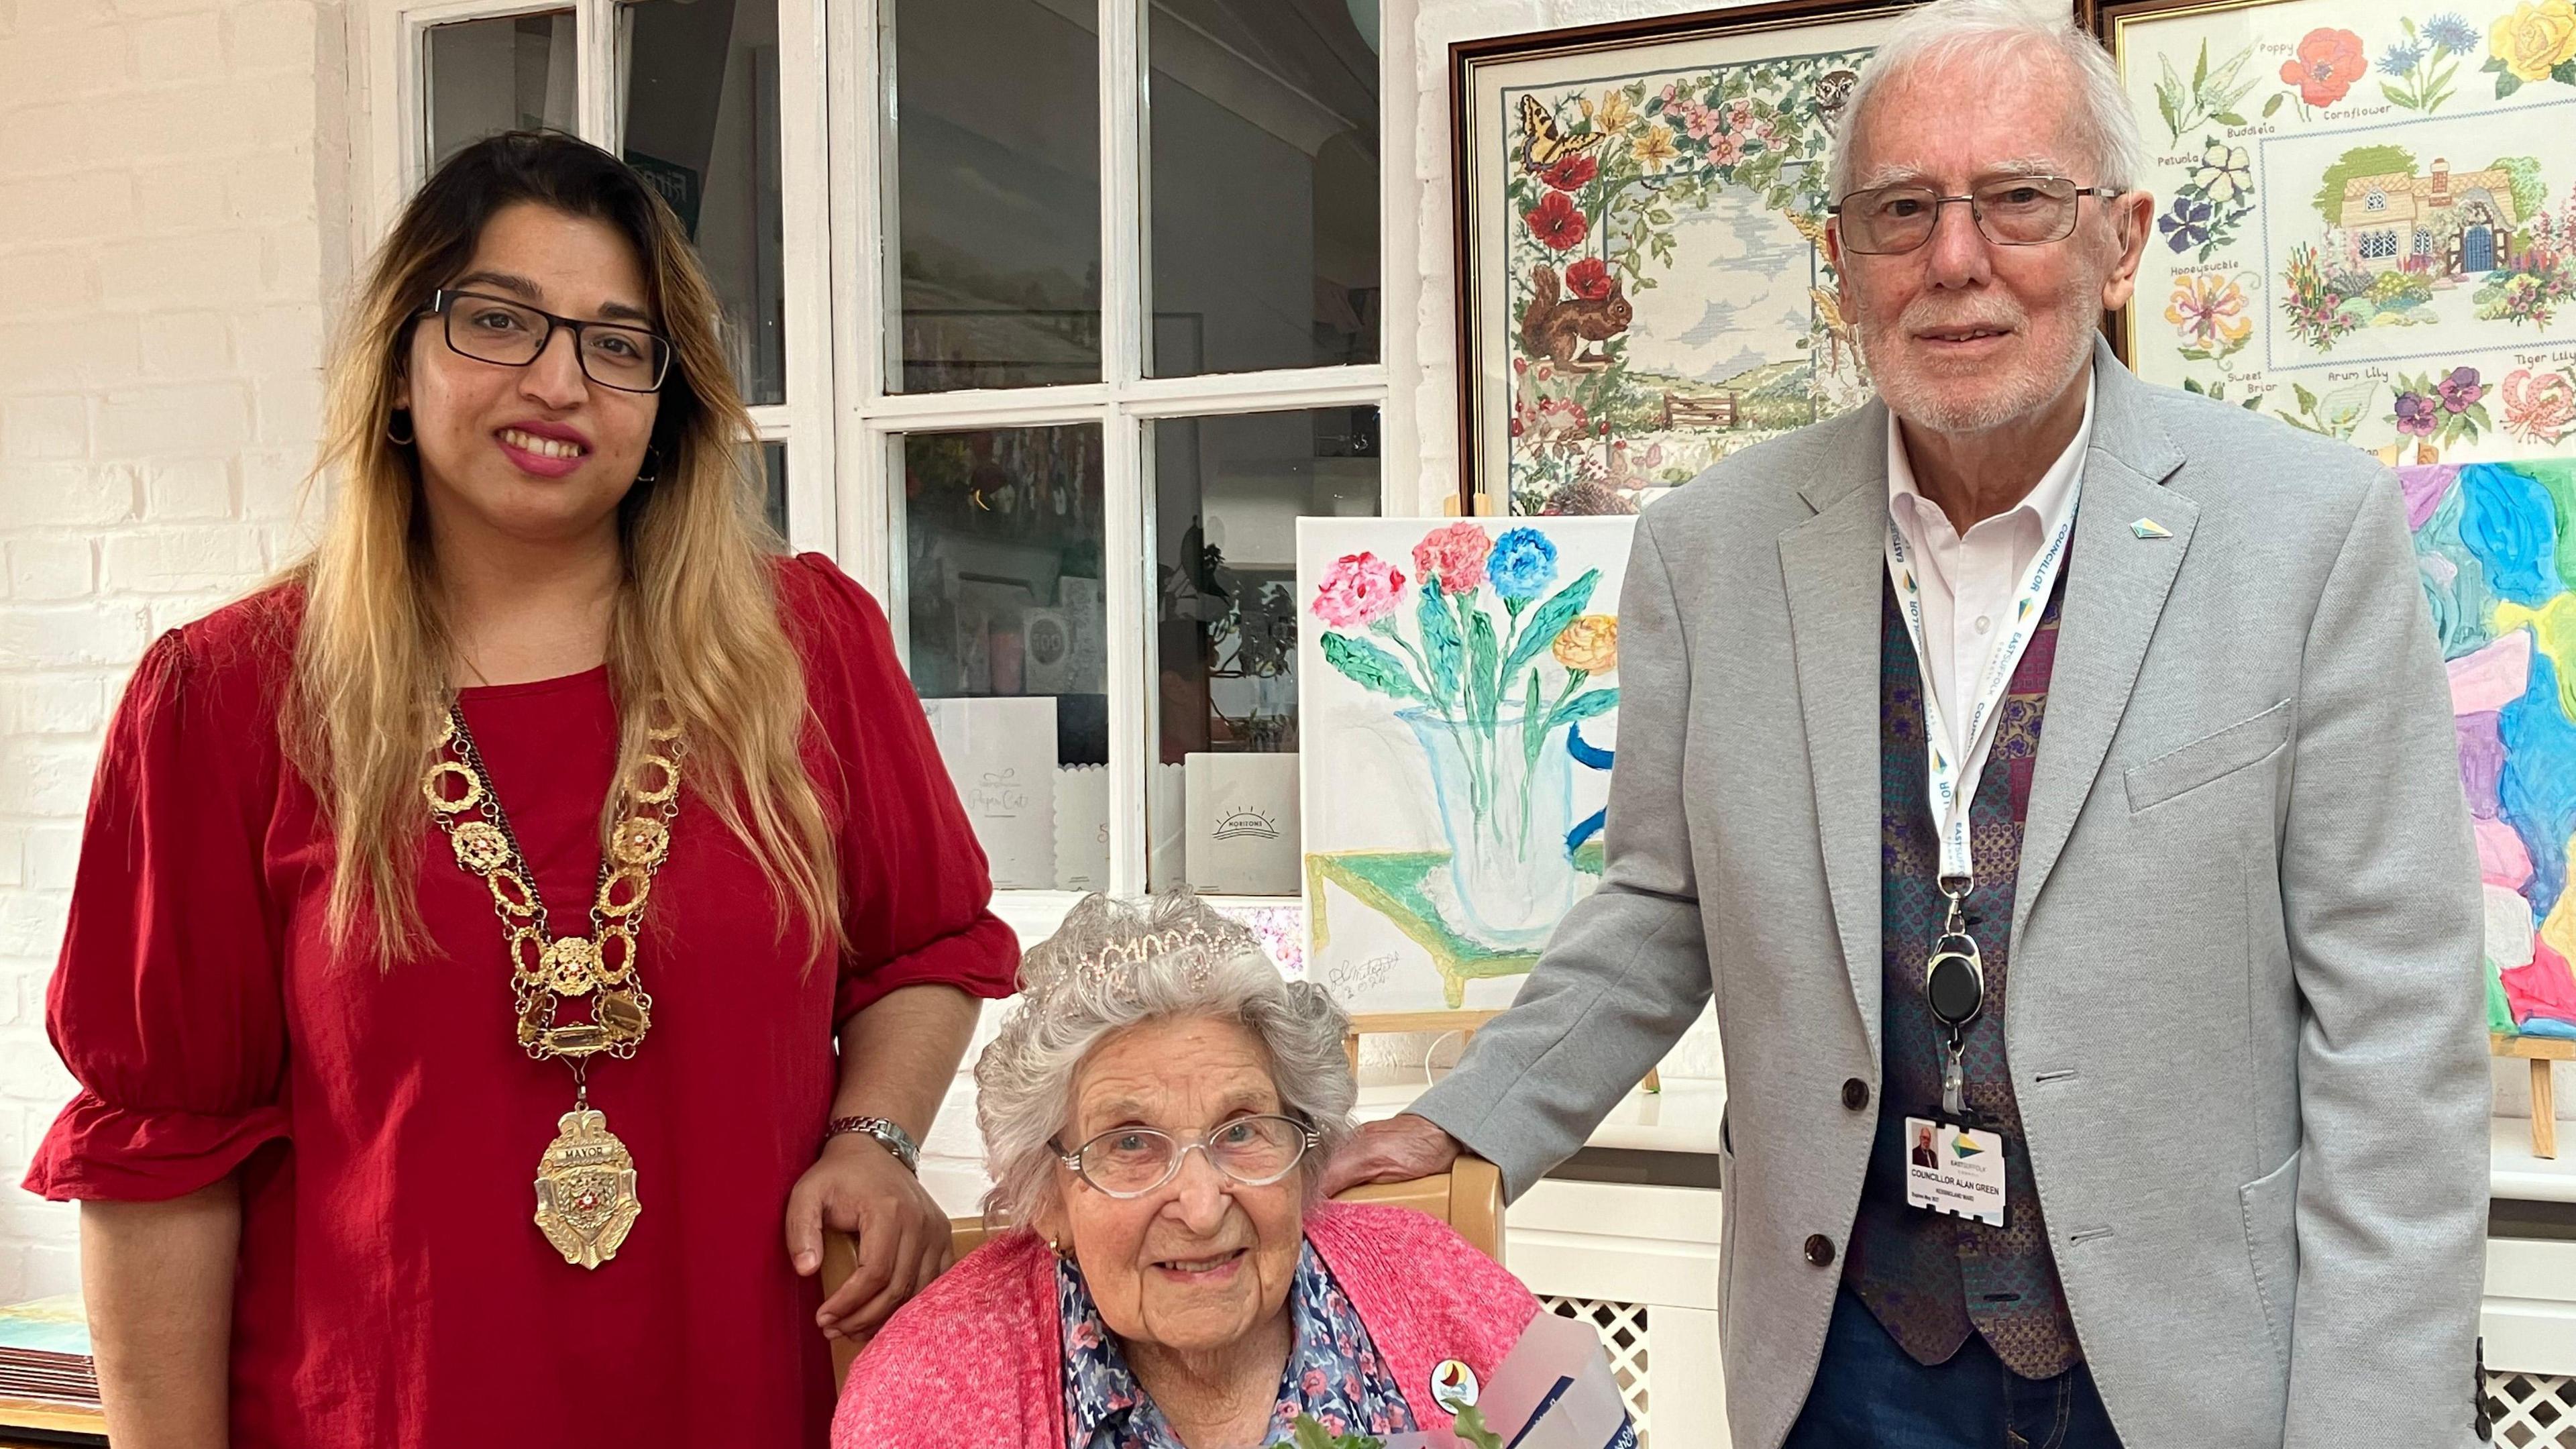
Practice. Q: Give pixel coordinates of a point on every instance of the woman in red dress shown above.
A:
(521, 854)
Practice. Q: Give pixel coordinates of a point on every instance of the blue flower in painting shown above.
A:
(2451, 33)
(2187, 225)
(1523, 564)
(2402, 58)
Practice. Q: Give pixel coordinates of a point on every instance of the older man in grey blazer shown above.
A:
(2183, 969)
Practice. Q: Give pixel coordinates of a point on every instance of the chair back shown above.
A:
(1468, 1197)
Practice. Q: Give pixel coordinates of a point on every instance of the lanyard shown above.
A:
(1954, 774)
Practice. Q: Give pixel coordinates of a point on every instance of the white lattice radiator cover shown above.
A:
(2532, 1411)
(1622, 1327)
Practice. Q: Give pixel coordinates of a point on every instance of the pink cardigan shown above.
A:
(977, 1361)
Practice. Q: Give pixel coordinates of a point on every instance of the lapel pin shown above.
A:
(2149, 528)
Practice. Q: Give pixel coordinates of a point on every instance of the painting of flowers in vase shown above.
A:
(2366, 220)
(1458, 689)
(1647, 289)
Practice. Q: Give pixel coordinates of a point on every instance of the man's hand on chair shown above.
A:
(1399, 1149)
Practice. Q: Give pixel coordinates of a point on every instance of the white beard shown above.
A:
(2008, 397)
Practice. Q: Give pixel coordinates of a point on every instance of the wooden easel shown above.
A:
(1465, 1023)
(2540, 1051)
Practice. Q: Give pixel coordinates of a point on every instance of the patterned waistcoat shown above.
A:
(1929, 1278)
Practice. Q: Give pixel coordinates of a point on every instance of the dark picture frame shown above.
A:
(1641, 397)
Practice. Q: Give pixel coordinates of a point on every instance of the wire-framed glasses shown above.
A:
(514, 334)
(1133, 1161)
(2012, 211)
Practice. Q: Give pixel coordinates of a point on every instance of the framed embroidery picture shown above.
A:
(1639, 215)
(2366, 216)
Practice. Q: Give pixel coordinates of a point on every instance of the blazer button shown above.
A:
(1855, 1093)
(1820, 1251)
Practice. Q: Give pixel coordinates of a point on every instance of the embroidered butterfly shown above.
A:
(1543, 145)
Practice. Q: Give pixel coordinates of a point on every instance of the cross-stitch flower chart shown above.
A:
(2366, 217)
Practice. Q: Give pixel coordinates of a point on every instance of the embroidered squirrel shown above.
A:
(1556, 328)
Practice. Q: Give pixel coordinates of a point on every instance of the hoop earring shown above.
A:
(651, 472)
(405, 415)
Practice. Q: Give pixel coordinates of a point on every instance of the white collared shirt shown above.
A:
(1967, 583)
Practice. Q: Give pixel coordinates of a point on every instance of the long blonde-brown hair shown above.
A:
(695, 622)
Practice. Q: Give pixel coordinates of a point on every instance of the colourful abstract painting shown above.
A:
(1650, 290)
(2495, 544)
(1458, 697)
(2366, 217)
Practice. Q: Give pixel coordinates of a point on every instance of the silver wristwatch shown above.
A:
(894, 1138)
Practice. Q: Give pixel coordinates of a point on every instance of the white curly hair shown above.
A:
(1114, 965)
(2008, 37)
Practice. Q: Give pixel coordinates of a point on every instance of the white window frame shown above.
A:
(843, 428)
(391, 48)
(873, 419)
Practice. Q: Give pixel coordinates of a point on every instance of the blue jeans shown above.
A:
(1870, 1394)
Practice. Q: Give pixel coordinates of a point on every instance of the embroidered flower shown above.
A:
(1571, 173)
(2187, 225)
(2416, 414)
(2460, 391)
(2534, 38)
(2225, 172)
(1654, 149)
(2328, 62)
(1588, 279)
(2209, 312)
(2539, 407)
(1558, 222)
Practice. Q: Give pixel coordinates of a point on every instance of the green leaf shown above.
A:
(2251, 402)
(2396, 97)
(2200, 72)
(2188, 385)
(1551, 619)
(2507, 83)
(1470, 1426)
(1584, 706)
(1441, 647)
(2228, 118)
(2274, 104)
(2564, 72)
(1533, 734)
(1370, 667)
(1483, 682)
(2307, 399)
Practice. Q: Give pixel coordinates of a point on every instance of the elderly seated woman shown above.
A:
(1156, 1117)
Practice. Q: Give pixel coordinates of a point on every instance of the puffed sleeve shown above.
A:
(166, 1002)
(917, 893)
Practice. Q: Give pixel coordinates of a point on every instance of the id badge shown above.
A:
(1954, 1169)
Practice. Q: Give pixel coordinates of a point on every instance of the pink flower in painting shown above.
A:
(1739, 116)
(1670, 92)
(1455, 553)
(1725, 149)
(1358, 590)
(1700, 121)
(2539, 407)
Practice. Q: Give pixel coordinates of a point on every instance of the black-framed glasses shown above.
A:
(1133, 1161)
(514, 334)
(2012, 211)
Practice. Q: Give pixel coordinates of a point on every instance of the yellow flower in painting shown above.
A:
(2535, 37)
(1655, 148)
(1590, 644)
(1614, 113)
(2209, 312)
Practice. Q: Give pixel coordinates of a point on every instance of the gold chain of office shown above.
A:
(585, 1185)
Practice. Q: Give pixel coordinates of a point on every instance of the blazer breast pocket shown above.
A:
(2207, 759)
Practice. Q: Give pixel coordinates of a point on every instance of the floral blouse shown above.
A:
(1334, 1373)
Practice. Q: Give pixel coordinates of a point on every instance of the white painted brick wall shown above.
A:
(170, 188)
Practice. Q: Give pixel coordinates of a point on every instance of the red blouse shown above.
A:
(393, 1290)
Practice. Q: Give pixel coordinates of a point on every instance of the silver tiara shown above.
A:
(1120, 957)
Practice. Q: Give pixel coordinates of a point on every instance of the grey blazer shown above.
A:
(2247, 1010)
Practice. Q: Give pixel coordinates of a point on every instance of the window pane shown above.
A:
(512, 74)
(773, 469)
(1228, 493)
(701, 101)
(997, 211)
(1002, 554)
(1264, 184)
